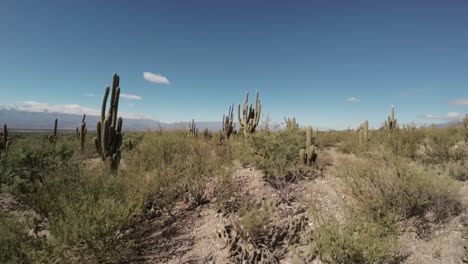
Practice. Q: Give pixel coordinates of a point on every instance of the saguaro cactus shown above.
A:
(364, 135)
(465, 125)
(109, 128)
(291, 123)
(250, 115)
(193, 130)
(53, 137)
(391, 123)
(4, 141)
(81, 132)
(308, 155)
(228, 123)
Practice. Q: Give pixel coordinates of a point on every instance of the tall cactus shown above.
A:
(228, 123)
(193, 130)
(364, 135)
(81, 132)
(4, 140)
(53, 137)
(250, 117)
(308, 155)
(465, 125)
(109, 128)
(291, 123)
(391, 123)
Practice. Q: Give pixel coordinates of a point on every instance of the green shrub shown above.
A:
(17, 246)
(275, 153)
(357, 242)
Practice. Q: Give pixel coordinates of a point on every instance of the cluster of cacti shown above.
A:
(465, 125)
(250, 117)
(4, 140)
(228, 123)
(291, 123)
(364, 135)
(81, 132)
(109, 128)
(391, 123)
(53, 137)
(193, 130)
(308, 155)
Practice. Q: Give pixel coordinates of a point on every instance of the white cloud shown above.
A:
(155, 78)
(131, 105)
(131, 96)
(90, 94)
(353, 100)
(74, 109)
(448, 116)
(459, 101)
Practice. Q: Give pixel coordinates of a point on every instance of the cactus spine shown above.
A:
(308, 155)
(81, 132)
(364, 135)
(4, 141)
(250, 115)
(109, 128)
(291, 123)
(53, 137)
(228, 123)
(193, 130)
(391, 123)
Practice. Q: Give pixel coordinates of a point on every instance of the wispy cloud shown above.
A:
(448, 116)
(353, 100)
(90, 94)
(155, 78)
(131, 96)
(131, 105)
(459, 101)
(33, 106)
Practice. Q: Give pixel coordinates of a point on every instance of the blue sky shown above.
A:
(308, 59)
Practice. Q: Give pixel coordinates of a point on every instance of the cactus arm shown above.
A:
(104, 102)
(115, 107)
(55, 127)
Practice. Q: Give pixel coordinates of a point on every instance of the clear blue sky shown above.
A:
(305, 57)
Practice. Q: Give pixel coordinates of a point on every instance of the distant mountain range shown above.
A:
(24, 120)
(453, 123)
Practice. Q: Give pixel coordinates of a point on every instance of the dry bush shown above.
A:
(394, 187)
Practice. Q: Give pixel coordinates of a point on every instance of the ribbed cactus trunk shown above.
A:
(364, 135)
(4, 140)
(465, 126)
(391, 123)
(228, 123)
(193, 130)
(53, 137)
(109, 129)
(81, 132)
(308, 155)
(250, 117)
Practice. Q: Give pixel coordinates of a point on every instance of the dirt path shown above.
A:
(444, 245)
